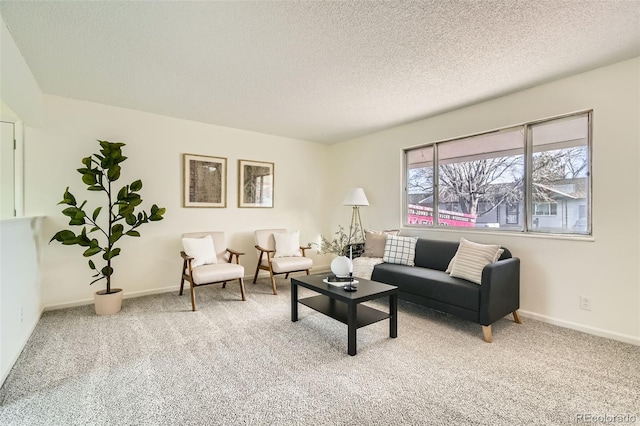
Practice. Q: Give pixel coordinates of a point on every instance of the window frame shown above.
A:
(527, 202)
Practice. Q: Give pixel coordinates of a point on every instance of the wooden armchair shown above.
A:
(280, 260)
(205, 263)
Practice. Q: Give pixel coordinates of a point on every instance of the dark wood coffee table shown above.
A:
(345, 306)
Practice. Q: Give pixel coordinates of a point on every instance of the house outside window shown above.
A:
(529, 178)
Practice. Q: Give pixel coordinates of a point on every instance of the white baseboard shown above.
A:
(126, 295)
(130, 294)
(583, 328)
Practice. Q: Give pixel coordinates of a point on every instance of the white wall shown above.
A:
(155, 145)
(18, 87)
(555, 272)
(20, 306)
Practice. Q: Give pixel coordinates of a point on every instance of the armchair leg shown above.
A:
(486, 331)
(224, 284)
(516, 317)
(273, 283)
(181, 285)
(193, 299)
(255, 277)
(307, 272)
(244, 297)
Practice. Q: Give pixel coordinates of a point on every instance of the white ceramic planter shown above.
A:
(108, 304)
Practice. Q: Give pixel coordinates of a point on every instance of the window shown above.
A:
(513, 213)
(530, 178)
(545, 209)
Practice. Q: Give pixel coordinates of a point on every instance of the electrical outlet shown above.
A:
(585, 303)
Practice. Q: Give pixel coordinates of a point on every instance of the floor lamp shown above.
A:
(356, 198)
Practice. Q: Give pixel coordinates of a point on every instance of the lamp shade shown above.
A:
(356, 197)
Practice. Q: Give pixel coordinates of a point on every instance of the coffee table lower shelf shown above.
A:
(339, 310)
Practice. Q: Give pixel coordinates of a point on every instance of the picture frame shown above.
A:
(255, 184)
(205, 181)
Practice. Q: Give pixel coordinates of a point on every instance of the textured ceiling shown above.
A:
(318, 71)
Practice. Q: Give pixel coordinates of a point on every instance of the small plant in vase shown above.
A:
(98, 173)
(341, 246)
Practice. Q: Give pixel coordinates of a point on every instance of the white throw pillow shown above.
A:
(201, 249)
(287, 244)
(400, 250)
(471, 258)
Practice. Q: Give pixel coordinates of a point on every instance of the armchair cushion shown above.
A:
(201, 249)
(217, 272)
(287, 244)
(288, 264)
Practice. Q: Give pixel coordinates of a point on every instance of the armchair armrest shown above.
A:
(264, 249)
(500, 290)
(186, 264)
(232, 253)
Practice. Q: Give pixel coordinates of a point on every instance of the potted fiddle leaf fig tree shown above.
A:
(101, 234)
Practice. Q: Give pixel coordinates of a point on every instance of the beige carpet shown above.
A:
(234, 362)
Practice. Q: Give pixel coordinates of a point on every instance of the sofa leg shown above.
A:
(516, 317)
(486, 331)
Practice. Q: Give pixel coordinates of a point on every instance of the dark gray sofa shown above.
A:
(428, 284)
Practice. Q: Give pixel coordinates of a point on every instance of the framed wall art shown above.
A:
(255, 183)
(205, 181)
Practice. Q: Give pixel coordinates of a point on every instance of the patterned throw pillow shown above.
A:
(471, 258)
(400, 250)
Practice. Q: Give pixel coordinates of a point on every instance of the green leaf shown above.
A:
(68, 198)
(70, 211)
(96, 212)
(110, 254)
(107, 271)
(136, 186)
(91, 251)
(125, 209)
(64, 235)
(91, 264)
(113, 173)
(95, 188)
(89, 179)
(133, 233)
(83, 240)
(116, 233)
(130, 219)
(122, 194)
(134, 199)
(156, 213)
